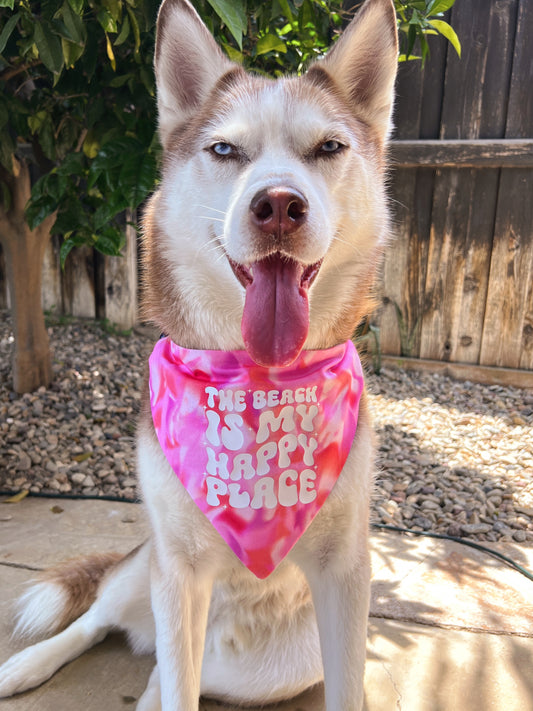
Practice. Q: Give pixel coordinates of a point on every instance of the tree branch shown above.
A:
(21, 185)
(8, 74)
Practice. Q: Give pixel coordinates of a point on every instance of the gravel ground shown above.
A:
(454, 457)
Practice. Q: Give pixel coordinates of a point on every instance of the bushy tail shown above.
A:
(61, 594)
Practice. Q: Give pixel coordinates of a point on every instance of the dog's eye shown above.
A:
(330, 147)
(224, 150)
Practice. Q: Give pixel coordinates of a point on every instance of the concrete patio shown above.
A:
(451, 628)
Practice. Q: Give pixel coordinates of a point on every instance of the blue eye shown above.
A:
(223, 149)
(331, 146)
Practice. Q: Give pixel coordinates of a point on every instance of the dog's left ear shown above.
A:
(188, 63)
(364, 62)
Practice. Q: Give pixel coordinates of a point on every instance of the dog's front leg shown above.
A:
(341, 597)
(180, 602)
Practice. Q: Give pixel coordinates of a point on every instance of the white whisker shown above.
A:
(214, 209)
(214, 219)
(211, 245)
(355, 249)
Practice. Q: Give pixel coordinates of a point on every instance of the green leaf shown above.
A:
(77, 6)
(36, 121)
(37, 210)
(117, 82)
(285, 7)
(47, 139)
(71, 213)
(270, 43)
(418, 5)
(91, 144)
(147, 78)
(135, 28)
(8, 29)
(90, 56)
(137, 177)
(71, 52)
(411, 39)
(111, 156)
(233, 53)
(74, 24)
(124, 32)
(305, 15)
(65, 249)
(439, 6)
(114, 8)
(107, 21)
(233, 16)
(17, 497)
(7, 3)
(424, 47)
(67, 135)
(49, 47)
(73, 164)
(110, 243)
(447, 31)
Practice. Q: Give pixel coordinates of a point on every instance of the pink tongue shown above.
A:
(275, 321)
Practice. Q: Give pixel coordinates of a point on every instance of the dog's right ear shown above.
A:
(364, 62)
(188, 63)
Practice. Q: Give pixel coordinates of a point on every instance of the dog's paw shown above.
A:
(24, 671)
(151, 699)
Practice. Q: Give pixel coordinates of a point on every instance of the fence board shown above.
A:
(508, 328)
(120, 283)
(4, 298)
(445, 265)
(79, 284)
(474, 153)
(51, 288)
(464, 201)
(417, 114)
(397, 263)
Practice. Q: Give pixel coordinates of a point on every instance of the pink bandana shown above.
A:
(258, 449)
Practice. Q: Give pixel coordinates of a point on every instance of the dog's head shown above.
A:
(271, 214)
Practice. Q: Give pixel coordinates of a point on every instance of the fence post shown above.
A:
(120, 280)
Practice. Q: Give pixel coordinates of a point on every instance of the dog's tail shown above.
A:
(61, 594)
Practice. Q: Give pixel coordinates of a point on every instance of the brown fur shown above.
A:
(79, 578)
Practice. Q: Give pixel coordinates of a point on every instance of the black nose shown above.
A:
(279, 210)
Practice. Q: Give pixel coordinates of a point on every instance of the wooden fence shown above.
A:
(457, 283)
(91, 285)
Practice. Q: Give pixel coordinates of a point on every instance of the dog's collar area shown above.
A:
(258, 449)
(241, 358)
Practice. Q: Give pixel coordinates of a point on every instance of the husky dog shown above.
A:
(263, 238)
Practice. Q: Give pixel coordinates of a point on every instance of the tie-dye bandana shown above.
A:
(258, 449)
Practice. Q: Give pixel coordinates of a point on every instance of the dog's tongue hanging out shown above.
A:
(275, 321)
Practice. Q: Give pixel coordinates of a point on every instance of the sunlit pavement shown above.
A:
(451, 628)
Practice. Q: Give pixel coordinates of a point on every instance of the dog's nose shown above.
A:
(279, 210)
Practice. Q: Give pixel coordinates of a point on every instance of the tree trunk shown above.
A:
(24, 253)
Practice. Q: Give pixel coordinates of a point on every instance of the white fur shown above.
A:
(216, 629)
(39, 609)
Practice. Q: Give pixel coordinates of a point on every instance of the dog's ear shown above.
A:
(188, 63)
(364, 63)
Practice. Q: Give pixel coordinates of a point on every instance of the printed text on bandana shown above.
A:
(266, 467)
